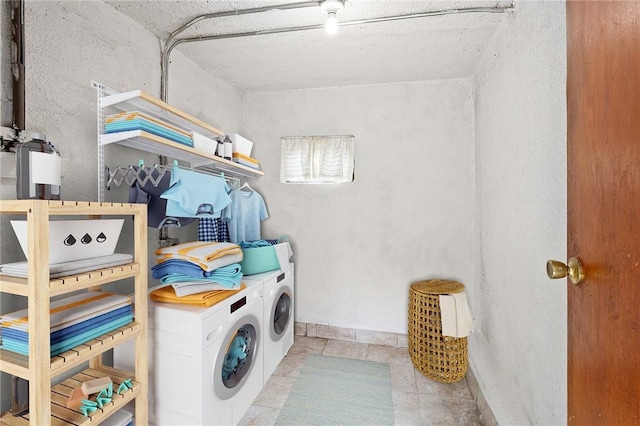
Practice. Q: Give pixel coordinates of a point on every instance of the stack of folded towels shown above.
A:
(74, 321)
(245, 160)
(136, 120)
(208, 271)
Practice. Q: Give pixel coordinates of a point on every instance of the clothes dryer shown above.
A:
(205, 364)
(278, 326)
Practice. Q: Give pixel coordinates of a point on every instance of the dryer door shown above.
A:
(281, 312)
(236, 357)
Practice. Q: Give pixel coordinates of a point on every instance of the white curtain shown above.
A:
(317, 159)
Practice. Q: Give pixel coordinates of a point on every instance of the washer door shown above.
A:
(280, 314)
(236, 357)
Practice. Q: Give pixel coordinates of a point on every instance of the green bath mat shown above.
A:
(339, 391)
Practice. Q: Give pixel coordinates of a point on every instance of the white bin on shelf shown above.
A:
(241, 145)
(204, 143)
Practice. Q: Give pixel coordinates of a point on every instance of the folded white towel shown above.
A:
(198, 252)
(456, 315)
(188, 288)
(283, 254)
(56, 270)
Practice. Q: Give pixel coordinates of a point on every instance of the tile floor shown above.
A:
(417, 400)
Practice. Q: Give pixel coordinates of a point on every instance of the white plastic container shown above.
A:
(241, 145)
(204, 143)
(75, 239)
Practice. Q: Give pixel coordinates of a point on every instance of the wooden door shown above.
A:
(603, 151)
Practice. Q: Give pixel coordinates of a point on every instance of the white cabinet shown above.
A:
(47, 403)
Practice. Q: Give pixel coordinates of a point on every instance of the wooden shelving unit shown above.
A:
(47, 404)
(110, 100)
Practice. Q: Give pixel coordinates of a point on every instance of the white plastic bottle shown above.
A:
(228, 148)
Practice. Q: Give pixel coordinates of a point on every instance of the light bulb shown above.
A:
(332, 23)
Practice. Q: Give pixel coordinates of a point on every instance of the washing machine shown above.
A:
(278, 325)
(206, 365)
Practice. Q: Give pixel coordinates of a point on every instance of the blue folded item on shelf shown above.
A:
(228, 276)
(184, 267)
(147, 126)
(228, 282)
(71, 331)
(23, 348)
(176, 266)
(70, 310)
(246, 163)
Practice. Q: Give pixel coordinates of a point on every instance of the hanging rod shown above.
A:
(144, 174)
(170, 43)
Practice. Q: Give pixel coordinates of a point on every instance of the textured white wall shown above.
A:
(519, 352)
(68, 44)
(408, 215)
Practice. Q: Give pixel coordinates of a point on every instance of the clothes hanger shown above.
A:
(246, 185)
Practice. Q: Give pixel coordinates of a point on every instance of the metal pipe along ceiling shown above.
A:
(170, 43)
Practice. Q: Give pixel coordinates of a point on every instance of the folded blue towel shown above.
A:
(184, 267)
(147, 126)
(228, 276)
(177, 266)
(71, 331)
(246, 163)
(23, 348)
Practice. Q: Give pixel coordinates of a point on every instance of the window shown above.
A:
(317, 159)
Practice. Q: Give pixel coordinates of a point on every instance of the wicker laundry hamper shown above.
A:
(438, 357)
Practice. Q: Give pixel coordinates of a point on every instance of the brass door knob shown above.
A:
(557, 269)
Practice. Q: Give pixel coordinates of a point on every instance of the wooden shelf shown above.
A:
(45, 407)
(69, 208)
(61, 415)
(18, 365)
(63, 285)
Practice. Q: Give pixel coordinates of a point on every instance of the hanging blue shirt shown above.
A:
(244, 214)
(194, 194)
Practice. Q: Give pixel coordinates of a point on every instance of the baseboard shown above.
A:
(373, 337)
(486, 414)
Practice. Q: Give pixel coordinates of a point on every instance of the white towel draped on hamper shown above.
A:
(456, 316)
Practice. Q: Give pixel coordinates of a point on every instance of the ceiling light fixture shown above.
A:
(332, 7)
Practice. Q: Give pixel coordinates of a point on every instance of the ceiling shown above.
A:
(426, 48)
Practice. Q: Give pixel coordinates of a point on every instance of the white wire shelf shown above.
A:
(144, 141)
(110, 100)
